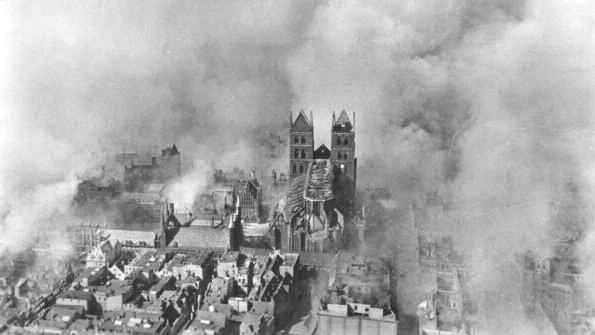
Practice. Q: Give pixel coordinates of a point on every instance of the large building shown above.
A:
(313, 222)
(322, 187)
(341, 154)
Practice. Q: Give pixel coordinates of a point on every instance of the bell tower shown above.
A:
(343, 146)
(301, 144)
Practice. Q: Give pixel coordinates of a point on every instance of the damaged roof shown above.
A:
(318, 181)
(295, 196)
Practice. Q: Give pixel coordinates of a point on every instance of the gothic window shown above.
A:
(301, 169)
(296, 153)
(295, 140)
(303, 140)
(345, 141)
(303, 153)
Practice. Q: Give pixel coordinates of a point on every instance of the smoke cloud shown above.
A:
(485, 105)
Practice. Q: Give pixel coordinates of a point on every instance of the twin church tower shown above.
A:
(341, 154)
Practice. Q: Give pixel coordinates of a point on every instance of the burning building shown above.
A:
(141, 170)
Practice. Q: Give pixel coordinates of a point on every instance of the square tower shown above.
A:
(343, 146)
(301, 144)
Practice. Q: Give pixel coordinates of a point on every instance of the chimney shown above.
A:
(290, 117)
(333, 118)
(311, 119)
(353, 121)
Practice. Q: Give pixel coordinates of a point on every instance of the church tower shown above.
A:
(301, 144)
(343, 146)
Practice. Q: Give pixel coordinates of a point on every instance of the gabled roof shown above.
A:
(302, 123)
(322, 152)
(343, 123)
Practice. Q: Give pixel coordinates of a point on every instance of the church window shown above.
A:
(303, 140)
(303, 153)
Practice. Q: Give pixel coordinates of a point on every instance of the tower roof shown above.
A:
(343, 123)
(302, 122)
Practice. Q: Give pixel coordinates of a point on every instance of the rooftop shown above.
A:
(202, 237)
(295, 196)
(136, 322)
(318, 181)
(205, 320)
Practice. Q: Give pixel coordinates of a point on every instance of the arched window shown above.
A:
(303, 153)
(296, 140)
(303, 140)
(296, 153)
(345, 141)
(301, 169)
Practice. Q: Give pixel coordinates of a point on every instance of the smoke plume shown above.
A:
(485, 105)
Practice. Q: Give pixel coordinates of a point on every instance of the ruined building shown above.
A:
(313, 222)
(322, 187)
(357, 299)
(140, 171)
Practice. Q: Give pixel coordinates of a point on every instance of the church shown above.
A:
(322, 186)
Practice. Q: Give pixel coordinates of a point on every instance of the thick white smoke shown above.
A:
(484, 104)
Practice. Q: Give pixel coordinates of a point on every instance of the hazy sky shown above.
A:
(484, 102)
